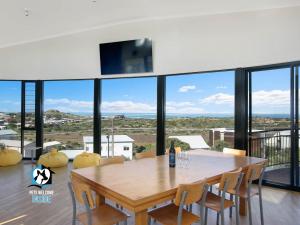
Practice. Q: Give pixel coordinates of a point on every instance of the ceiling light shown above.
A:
(26, 12)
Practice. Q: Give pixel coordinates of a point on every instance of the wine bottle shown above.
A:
(172, 155)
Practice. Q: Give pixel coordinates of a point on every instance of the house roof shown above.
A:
(117, 139)
(7, 132)
(195, 141)
(14, 143)
(51, 143)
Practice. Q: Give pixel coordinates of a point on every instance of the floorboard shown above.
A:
(280, 207)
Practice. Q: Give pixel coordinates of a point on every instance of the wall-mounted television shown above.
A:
(125, 57)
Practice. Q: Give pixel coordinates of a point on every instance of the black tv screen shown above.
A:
(124, 57)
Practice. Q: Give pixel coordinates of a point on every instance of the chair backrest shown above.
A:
(255, 172)
(177, 150)
(230, 179)
(146, 154)
(235, 152)
(79, 189)
(193, 191)
(111, 160)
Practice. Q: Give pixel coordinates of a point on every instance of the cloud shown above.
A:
(221, 87)
(187, 88)
(183, 107)
(219, 98)
(128, 107)
(274, 98)
(69, 105)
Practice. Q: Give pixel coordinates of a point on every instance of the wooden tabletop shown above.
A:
(136, 182)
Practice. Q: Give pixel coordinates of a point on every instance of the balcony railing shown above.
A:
(273, 145)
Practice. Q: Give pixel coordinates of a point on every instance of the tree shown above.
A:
(177, 143)
(219, 145)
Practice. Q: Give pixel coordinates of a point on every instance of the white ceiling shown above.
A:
(50, 18)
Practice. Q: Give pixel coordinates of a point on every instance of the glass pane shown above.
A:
(271, 136)
(29, 144)
(10, 114)
(128, 116)
(297, 72)
(30, 105)
(68, 116)
(200, 111)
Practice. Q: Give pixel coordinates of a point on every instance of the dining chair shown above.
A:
(101, 215)
(254, 172)
(146, 154)
(174, 213)
(111, 160)
(236, 152)
(230, 181)
(230, 151)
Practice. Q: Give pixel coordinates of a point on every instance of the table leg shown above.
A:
(141, 218)
(243, 207)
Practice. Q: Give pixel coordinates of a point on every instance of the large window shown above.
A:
(200, 110)
(10, 114)
(68, 116)
(270, 121)
(128, 116)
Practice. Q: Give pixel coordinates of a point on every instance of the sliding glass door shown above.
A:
(296, 155)
(273, 123)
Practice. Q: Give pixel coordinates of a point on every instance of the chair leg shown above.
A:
(149, 220)
(125, 222)
(230, 210)
(218, 214)
(191, 208)
(261, 207)
(249, 209)
(205, 216)
(222, 217)
(237, 210)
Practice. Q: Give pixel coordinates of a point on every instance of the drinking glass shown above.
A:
(179, 159)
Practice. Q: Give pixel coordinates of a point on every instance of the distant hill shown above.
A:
(58, 115)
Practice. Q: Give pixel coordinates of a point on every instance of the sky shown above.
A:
(207, 93)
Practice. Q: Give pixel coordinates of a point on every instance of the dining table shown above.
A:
(139, 185)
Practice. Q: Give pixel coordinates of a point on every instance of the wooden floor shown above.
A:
(280, 207)
(281, 176)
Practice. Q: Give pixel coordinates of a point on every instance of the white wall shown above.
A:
(181, 45)
(118, 149)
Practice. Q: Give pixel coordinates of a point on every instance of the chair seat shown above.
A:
(213, 202)
(167, 215)
(103, 215)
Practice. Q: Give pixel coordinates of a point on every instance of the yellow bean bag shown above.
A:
(86, 159)
(54, 159)
(9, 157)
